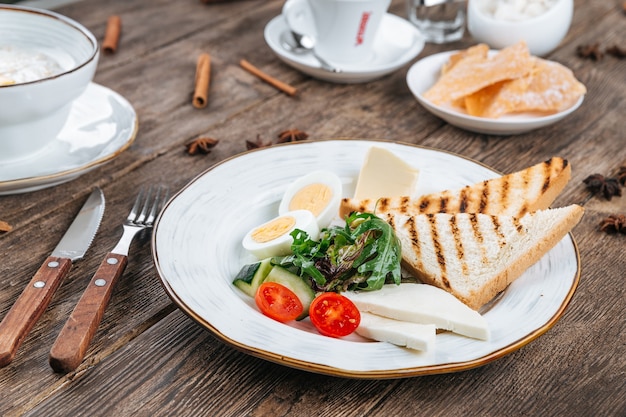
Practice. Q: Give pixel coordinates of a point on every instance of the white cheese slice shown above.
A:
(424, 304)
(383, 174)
(401, 333)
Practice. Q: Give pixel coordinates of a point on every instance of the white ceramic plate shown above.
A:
(424, 73)
(101, 125)
(398, 42)
(197, 251)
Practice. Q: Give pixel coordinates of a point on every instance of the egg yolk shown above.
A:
(273, 229)
(313, 197)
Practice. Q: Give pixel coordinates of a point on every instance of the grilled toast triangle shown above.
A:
(515, 194)
(476, 256)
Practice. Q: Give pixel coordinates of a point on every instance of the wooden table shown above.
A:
(148, 358)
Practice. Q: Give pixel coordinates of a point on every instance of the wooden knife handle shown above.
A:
(73, 341)
(30, 305)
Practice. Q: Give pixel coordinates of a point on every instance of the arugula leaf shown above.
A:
(382, 256)
(362, 255)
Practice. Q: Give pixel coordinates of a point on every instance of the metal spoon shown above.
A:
(303, 44)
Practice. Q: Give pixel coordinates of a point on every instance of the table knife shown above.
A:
(35, 298)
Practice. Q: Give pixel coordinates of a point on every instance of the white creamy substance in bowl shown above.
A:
(47, 61)
(21, 65)
(515, 10)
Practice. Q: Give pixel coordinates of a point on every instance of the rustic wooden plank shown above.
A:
(191, 372)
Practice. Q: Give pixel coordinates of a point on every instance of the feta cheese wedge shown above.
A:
(422, 304)
(383, 174)
(401, 333)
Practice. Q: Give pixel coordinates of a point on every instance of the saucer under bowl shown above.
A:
(100, 126)
(397, 43)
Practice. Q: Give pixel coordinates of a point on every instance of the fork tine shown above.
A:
(147, 205)
(161, 195)
(144, 210)
(136, 206)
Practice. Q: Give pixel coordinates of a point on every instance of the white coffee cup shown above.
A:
(344, 30)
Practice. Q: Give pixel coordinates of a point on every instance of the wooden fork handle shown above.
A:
(30, 305)
(73, 341)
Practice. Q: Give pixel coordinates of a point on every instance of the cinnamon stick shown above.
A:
(203, 78)
(112, 34)
(284, 87)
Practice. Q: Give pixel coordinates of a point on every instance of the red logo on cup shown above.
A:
(362, 25)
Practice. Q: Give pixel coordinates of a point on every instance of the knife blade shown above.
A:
(35, 298)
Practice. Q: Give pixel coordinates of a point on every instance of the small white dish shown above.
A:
(424, 73)
(101, 125)
(198, 255)
(542, 33)
(397, 43)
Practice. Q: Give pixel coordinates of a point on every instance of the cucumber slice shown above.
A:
(251, 276)
(296, 284)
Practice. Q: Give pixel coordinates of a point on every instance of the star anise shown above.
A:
(291, 135)
(202, 145)
(5, 227)
(621, 176)
(591, 51)
(616, 51)
(259, 143)
(598, 183)
(615, 223)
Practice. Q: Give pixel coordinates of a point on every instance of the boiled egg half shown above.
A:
(318, 192)
(273, 237)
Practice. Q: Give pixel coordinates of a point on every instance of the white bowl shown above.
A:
(424, 74)
(542, 33)
(34, 111)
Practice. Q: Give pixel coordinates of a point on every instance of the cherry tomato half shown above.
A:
(334, 315)
(278, 302)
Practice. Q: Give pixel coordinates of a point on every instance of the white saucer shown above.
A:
(398, 43)
(101, 125)
(425, 72)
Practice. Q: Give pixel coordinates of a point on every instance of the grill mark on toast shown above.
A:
(549, 166)
(458, 243)
(444, 202)
(518, 225)
(504, 193)
(414, 237)
(424, 203)
(441, 260)
(497, 228)
(405, 204)
(477, 234)
(523, 210)
(546, 175)
(464, 199)
(480, 238)
(484, 197)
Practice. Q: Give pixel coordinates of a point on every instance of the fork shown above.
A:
(72, 343)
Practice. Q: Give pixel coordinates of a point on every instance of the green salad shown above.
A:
(362, 255)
